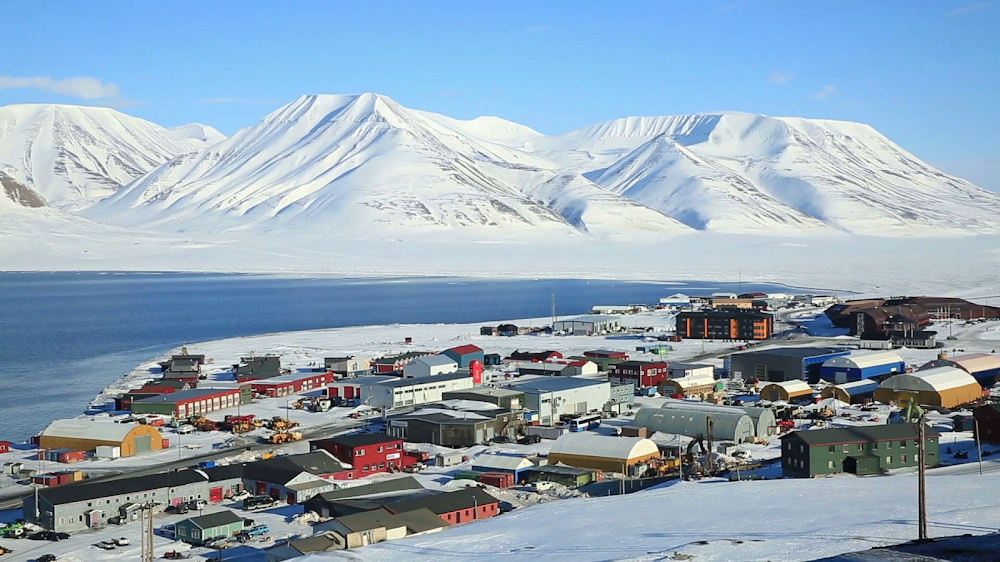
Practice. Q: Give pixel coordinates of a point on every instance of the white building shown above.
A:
(399, 393)
(610, 309)
(430, 366)
(678, 370)
(723, 295)
(552, 397)
(677, 300)
(590, 325)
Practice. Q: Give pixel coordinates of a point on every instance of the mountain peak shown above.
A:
(198, 132)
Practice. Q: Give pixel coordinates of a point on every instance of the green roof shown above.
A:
(859, 434)
(213, 520)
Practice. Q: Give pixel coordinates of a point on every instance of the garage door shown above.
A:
(143, 443)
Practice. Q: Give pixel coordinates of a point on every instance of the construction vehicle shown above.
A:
(278, 423)
(239, 424)
(267, 455)
(5, 550)
(285, 437)
(298, 405)
(202, 423)
(319, 404)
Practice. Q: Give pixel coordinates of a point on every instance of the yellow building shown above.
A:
(602, 452)
(945, 387)
(785, 390)
(87, 435)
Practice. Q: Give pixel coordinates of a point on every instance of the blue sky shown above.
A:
(924, 73)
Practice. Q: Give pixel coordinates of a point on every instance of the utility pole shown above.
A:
(553, 309)
(146, 537)
(922, 477)
(708, 454)
(979, 447)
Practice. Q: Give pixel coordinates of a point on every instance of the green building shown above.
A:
(561, 474)
(860, 450)
(194, 402)
(198, 530)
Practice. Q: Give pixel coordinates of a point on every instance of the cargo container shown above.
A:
(108, 452)
(467, 475)
(45, 480)
(166, 443)
(497, 479)
(65, 456)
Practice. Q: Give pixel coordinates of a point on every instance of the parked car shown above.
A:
(122, 541)
(217, 542)
(502, 439)
(258, 502)
(179, 508)
(241, 496)
(46, 558)
(529, 440)
(197, 504)
(186, 428)
(107, 545)
(168, 530)
(48, 536)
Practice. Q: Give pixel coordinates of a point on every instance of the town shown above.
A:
(295, 449)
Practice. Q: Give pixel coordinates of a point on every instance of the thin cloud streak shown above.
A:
(779, 78)
(826, 92)
(968, 9)
(84, 87)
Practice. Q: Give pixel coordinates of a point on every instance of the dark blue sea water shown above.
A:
(65, 336)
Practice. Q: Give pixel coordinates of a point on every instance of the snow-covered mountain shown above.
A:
(72, 153)
(204, 134)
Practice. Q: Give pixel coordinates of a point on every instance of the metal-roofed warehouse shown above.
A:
(764, 421)
(588, 325)
(782, 364)
(982, 366)
(945, 387)
(785, 390)
(602, 452)
(862, 365)
(854, 392)
(729, 425)
(85, 435)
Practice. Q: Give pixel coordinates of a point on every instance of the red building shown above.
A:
(460, 506)
(291, 384)
(124, 402)
(644, 373)
(395, 363)
(4, 446)
(607, 354)
(368, 453)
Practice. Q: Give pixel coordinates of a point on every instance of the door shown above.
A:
(479, 435)
(275, 494)
(840, 377)
(176, 501)
(143, 443)
(261, 488)
(290, 498)
(490, 433)
(215, 495)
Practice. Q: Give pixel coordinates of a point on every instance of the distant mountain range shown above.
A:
(364, 166)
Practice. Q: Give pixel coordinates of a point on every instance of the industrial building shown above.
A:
(694, 386)
(547, 369)
(350, 389)
(944, 387)
(295, 383)
(552, 397)
(862, 365)
(395, 363)
(456, 424)
(253, 368)
(194, 402)
(782, 364)
(369, 453)
(727, 325)
(786, 391)
(860, 450)
(199, 530)
(88, 435)
(464, 355)
(503, 397)
(590, 325)
(678, 370)
(765, 424)
(628, 455)
(644, 374)
(728, 424)
(349, 366)
(460, 506)
(429, 366)
(392, 394)
(677, 300)
(854, 392)
(511, 464)
(983, 367)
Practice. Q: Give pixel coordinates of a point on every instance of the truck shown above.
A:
(258, 502)
(257, 530)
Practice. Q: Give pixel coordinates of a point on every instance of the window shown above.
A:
(364, 468)
(829, 464)
(902, 458)
(888, 460)
(915, 443)
(789, 444)
(195, 534)
(802, 448)
(831, 449)
(381, 465)
(902, 444)
(380, 449)
(182, 532)
(81, 518)
(888, 444)
(359, 452)
(90, 504)
(859, 446)
(847, 448)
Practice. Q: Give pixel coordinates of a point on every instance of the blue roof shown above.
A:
(856, 388)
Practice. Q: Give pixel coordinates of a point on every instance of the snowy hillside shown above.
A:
(204, 134)
(71, 153)
(14, 193)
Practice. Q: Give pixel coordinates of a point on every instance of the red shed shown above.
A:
(607, 354)
(291, 384)
(368, 453)
(644, 374)
(4, 446)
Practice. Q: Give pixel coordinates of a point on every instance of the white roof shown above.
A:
(693, 381)
(436, 360)
(970, 363)
(86, 429)
(930, 380)
(291, 377)
(476, 405)
(457, 414)
(792, 386)
(676, 297)
(502, 462)
(854, 384)
(864, 359)
(587, 444)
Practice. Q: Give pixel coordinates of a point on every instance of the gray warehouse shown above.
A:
(588, 325)
(728, 425)
(783, 364)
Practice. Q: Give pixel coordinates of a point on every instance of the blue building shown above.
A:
(855, 392)
(783, 364)
(862, 365)
(513, 464)
(464, 354)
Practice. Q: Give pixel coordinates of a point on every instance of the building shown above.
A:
(783, 364)
(692, 420)
(286, 385)
(854, 392)
(629, 455)
(461, 425)
(860, 365)
(860, 450)
(88, 435)
(535, 356)
(786, 391)
(949, 307)
(4, 446)
(395, 363)
(944, 387)
(364, 497)
(252, 368)
(460, 506)
(606, 354)
(569, 476)
(509, 464)
(464, 355)
(370, 453)
(694, 386)
(983, 367)
(199, 530)
(399, 393)
(547, 369)
(644, 374)
(85, 505)
(590, 325)
(291, 478)
(194, 402)
(765, 423)
(678, 370)
(492, 359)
(506, 398)
(728, 325)
(677, 300)
(351, 389)
(728, 303)
(602, 363)
(348, 366)
(621, 400)
(429, 366)
(914, 339)
(578, 367)
(165, 365)
(552, 397)
(874, 317)
(987, 423)
(124, 402)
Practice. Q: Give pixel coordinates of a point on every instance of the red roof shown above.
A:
(466, 349)
(154, 388)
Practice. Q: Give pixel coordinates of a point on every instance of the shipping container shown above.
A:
(497, 479)
(70, 457)
(108, 452)
(166, 443)
(467, 475)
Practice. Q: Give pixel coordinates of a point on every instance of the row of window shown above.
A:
(366, 468)
(846, 448)
(381, 449)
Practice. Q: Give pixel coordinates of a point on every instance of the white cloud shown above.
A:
(778, 77)
(85, 87)
(826, 92)
(536, 28)
(968, 9)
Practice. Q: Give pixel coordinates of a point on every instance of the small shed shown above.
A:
(785, 390)
(198, 530)
(862, 365)
(983, 367)
(602, 452)
(448, 459)
(945, 387)
(511, 464)
(854, 392)
(678, 370)
(464, 355)
(568, 476)
(764, 421)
